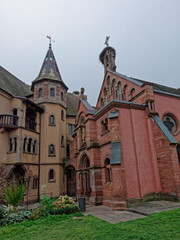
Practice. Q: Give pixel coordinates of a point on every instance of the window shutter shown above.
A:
(115, 153)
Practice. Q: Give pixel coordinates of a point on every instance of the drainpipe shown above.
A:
(39, 158)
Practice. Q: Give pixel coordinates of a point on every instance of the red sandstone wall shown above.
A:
(167, 104)
(169, 169)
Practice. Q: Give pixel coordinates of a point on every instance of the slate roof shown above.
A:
(160, 87)
(88, 106)
(12, 85)
(72, 103)
(49, 69)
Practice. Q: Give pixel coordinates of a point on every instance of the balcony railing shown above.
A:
(29, 124)
(8, 121)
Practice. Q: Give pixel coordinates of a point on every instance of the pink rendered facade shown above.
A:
(122, 150)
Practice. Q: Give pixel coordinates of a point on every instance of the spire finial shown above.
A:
(106, 41)
(50, 39)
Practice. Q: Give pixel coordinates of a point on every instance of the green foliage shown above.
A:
(14, 194)
(46, 201)
(11, 217)
(64, 205)
(159, 226)
(2, 213)
(39, 212)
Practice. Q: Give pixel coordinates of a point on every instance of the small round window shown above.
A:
(170, 123)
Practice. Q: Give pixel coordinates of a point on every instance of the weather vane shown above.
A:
(106, 41)
(50, 39)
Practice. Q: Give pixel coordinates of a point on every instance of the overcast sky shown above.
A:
(145, 34)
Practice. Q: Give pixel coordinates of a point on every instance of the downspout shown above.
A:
(39, 158)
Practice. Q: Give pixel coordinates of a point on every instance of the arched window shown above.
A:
(34, 147)
(119, 91)
(51, 149)
(15, 111)
(52, 92)
(15, 144)
(132, 93)
(102, 102)
(35, 182)
(170, 123)
(107, 170)
(104, 125)
(24, 145)
(62, 96)
(51, 120)
(51, 174)
(40, 92)
(113, 88)
(62, 141)
(29, 145)
(62, 115)
(125, 93)
(10, 145)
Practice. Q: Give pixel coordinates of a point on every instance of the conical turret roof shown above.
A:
(49, 69)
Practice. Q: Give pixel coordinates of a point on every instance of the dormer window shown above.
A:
(40, 92)
(52, 92)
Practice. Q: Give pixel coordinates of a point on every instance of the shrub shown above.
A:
(46, 201)
(64, 205)
(14, 193)
(39, 212)
(2, 213)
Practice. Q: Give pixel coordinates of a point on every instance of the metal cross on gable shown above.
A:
(50, 39)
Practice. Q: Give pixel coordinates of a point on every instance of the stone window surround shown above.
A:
(54, 152)
(52, 124)
(52, 87)
(172, 115)
(25, 145)
(54, 175)
(14, 142)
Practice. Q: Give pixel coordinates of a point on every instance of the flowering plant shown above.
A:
(64, 205)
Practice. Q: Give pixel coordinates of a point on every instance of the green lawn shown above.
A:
(157, 226)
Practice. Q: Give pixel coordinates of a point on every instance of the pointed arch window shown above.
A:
(52, 92)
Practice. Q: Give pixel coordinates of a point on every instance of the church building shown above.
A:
(127, 147)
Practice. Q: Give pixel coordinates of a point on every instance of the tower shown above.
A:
(50, 93)
(107, 58)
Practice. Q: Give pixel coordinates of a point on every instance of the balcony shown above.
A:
(30, 125)
(8, 121)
